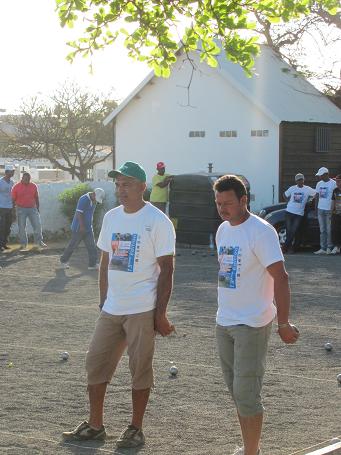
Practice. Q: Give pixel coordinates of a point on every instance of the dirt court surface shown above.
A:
(45, 311)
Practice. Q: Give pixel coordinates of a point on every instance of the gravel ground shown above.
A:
(45, 311)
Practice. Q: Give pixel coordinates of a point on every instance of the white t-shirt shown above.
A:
(298, 198)
(134, 241)
(245, 287)
(325, 192)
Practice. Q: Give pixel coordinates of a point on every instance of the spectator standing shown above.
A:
(7, 215)
(297, 197)
(82, 228)
(336, 216)
(135, 283)
(160, 187)
(323, 204)
(26, 200)
(251, 278)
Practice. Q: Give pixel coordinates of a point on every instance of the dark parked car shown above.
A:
(192, 207)
(309, 232)
(272, 208)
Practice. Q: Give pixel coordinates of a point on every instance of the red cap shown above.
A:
(160, 165)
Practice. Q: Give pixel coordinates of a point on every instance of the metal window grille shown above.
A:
(260, 133)
(322, 140)
(228, 133)
(197, 134)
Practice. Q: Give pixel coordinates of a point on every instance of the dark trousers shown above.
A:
(336, 229)
(292, 222)
(89, 241)
(6, 219)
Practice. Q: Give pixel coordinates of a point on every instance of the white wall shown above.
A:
(53, 221)
(155, 126)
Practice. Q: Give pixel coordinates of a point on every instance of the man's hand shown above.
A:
(288, 333)
(162, 325)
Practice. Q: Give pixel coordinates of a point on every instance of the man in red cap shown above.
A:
(160, 184)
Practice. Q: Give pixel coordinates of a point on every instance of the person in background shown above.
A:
(323, 204)
(336, 216)
(297, 197)
(160, 187)
(253, 286)
(82, 228)
(7, 214)
(26, 200)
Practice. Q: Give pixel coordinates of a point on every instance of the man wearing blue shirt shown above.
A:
(6, 206)
(82, 228)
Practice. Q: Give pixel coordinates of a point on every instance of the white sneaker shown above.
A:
(64, 265)
(335, 250)
(240, 451)
(320, 251)
(42, 245)
(329, 251)
(94, 267)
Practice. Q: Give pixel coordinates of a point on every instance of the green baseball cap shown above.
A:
(130, 169)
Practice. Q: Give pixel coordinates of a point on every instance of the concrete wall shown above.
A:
(53, 221)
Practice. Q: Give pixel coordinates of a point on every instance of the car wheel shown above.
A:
(282, 233)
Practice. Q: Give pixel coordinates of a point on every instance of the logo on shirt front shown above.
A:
(323, 192)
(298, 198)
(229, 258)
(125, 251)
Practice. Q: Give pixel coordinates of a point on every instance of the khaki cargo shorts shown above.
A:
(113, 334)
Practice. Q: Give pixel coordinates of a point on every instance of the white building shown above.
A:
(223, 118)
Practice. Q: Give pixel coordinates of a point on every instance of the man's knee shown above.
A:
(247, 395)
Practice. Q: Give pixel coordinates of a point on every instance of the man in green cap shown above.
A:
(135, 282)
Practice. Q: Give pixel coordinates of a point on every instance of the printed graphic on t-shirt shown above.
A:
(229, 272)
(125, 251)
(323, 192)
(298, 198)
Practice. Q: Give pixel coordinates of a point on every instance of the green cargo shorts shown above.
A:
(242, 350)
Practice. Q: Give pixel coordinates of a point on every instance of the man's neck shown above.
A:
(133, 208)
(241, 219)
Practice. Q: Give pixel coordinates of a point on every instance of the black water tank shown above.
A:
(192, 207)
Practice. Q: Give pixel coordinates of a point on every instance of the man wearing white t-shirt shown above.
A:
(323, 206)
(135, 282)
(297, 196)
(251, 276)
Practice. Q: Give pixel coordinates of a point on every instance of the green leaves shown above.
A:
(153, 35)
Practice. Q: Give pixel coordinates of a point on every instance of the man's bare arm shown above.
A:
(282, 299)
(166, 182)
(164, 291)
(103, 278)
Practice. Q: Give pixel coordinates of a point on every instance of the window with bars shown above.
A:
(228, 133)
(197, 134)
(259, 133)
(322, 139)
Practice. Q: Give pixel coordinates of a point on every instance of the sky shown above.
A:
(33, 51)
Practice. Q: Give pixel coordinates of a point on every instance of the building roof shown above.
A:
(275, 88)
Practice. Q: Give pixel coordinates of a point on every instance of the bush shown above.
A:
(69, 199)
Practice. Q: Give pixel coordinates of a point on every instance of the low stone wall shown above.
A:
(54, 223)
